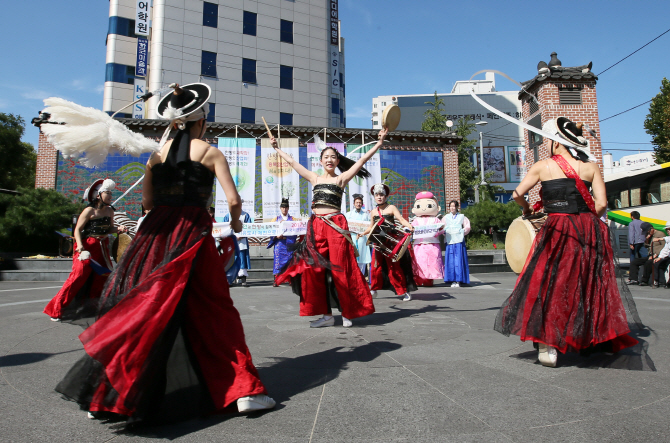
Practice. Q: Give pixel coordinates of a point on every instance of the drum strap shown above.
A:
(346, 234)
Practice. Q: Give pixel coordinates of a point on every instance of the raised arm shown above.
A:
(305, 173)
(346, 176)
(530, 180)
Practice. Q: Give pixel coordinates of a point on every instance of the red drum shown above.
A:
(389, 240)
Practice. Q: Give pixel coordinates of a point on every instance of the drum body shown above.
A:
(119, 246)
(389, 240)
(520, 237)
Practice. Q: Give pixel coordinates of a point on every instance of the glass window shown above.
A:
(375, 105)
(115, 72)
(248, 115)
(342, 83)
(208, 64)
(285, 119)
(375, 122)
(210, 14)
(335, 105)
(249, 21)
(286, 31)
(121, 26)
(285, 77)
(211, 115)
(248, 70)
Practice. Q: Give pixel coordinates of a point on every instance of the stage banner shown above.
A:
(271, 229)
(427, 231)
(278, 179)
(362, 185)
(314, 164)
(516, 163)
(241, 156)
(494, 161)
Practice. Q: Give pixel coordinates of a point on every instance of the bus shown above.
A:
(645, 190)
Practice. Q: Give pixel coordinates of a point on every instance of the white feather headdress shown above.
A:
(90, 134)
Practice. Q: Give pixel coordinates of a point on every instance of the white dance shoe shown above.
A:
(548, 355)
(255, 403)
(346, 322)
(374, 294)
(323, 322)
(455, 284)
(407, 297)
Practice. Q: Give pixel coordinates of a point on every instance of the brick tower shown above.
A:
(558, 91)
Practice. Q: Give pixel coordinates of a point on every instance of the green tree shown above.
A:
(28, 221)
(657, 123)
(490, 214)
(434, 120)
(19, 159)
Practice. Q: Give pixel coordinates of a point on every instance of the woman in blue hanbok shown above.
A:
(456, 227)
(358, 214)
(283, 245)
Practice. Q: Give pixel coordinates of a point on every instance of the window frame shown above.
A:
(282, 119)
(249, 76)
(203, 66)
(249, 28)
(213, 14)
(285, 35)
(247, 121)
(285, 81)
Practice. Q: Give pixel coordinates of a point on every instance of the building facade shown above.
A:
(502, 142)
(278, 59)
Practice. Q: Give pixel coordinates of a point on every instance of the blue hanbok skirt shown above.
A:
(456, 267)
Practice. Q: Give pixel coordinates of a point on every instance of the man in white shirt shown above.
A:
(661, 262)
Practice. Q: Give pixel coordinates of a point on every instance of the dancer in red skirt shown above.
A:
(384, 272)
(323, 269)
(91, 261)
(168, 344)
(567, 298)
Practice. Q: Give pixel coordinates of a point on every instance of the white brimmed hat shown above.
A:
(571, 132)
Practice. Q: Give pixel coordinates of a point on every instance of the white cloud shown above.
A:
(36, 94)
(85, 85)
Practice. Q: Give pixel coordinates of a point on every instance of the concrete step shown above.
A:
(29, 264)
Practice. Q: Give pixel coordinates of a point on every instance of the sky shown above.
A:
(392, 47)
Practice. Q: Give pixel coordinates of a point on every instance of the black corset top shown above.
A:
(389, 217)
(561, 196)
(187, 183)
(327, 195)
(97, 227)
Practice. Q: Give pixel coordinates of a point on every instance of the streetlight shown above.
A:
(481, 156)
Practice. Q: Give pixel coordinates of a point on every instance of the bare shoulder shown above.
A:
(592, 169)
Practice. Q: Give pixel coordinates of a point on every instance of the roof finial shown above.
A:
(554, 62)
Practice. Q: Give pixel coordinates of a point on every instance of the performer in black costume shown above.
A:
(168, 344)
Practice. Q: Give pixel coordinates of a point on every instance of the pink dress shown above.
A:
(428, 265)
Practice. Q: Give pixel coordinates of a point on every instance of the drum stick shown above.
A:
(267, 127)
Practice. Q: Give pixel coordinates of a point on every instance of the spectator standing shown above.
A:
(245, 262)
(654, 249)
(635, 237)
(661, 262)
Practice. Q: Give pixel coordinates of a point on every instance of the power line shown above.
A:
(627, 143)
(634, 52)
(612, 116)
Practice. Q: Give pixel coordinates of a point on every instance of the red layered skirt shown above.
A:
(79, 296)
(324, 272)
(567, 294)
(168, 343)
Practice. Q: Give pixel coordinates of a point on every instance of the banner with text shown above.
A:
(494, 162)
(314, 164)
(279, 180)
(271, 229)
(140, 88)
(516, 163)
(142, 57)
(427, 231)
(241, 156)
(142, 17)
(362, 185)
(358, 227)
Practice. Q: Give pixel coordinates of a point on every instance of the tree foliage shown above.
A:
(434, 120)
(490, 214)
(19, 159)
(657, 123)
(28, 221)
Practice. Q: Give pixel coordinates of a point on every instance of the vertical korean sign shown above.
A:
(142, 57)
(362, 185)
(278, 179)
(142, 17)
(314, 164)
(334, 71)
(241, 156)
(140, 88)
(334, 23)
(516, 163)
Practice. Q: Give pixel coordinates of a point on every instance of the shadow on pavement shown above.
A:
(27, 358)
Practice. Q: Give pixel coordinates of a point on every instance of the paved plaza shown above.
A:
(428, 370)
